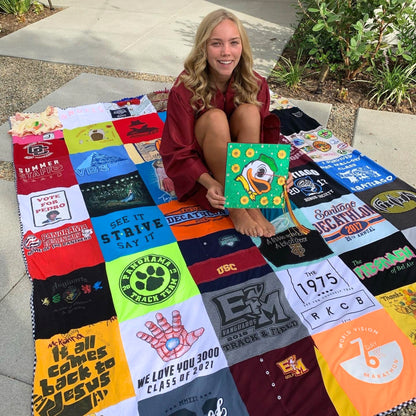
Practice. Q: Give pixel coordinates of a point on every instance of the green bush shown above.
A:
(407, 34)
(16, 7)
(288, 73)
(392, 86)
(38, 7)
(349, 35)
(321, 48)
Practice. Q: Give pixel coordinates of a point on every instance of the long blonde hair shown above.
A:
(196, 76)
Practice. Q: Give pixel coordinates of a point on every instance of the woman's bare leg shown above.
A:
(245, 128)
(213, 134)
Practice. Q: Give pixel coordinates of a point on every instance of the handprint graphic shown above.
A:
(170, 341)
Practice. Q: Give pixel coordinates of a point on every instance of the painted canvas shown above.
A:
(256, 174)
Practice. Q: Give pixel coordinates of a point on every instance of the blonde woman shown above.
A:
(218, 98)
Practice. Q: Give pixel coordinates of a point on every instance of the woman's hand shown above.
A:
(289, 181)
(215, 195)
(215, 191)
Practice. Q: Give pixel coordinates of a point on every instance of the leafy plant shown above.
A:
(350, 34)
(406, 33)
(38, 7)
(16, 7)
(321, 48)
(392, 86)
(289, 73)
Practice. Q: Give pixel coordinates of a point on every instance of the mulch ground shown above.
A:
(10, 23)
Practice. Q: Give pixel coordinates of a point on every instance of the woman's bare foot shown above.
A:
(244, 223)
(258, 217)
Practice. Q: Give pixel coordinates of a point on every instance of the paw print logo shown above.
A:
(150, 279)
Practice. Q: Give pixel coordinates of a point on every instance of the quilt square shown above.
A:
(253, 317)
(82, 371)
(101, 164)
(117, 193)
(401, 306)
(170, 347)
(189, 220)
(347, 223)
(83, 115)
(34, 138)
(267, 382)
(289, 246)
(126, 232)
(91, 137)
(149, 280)
(56, 251)
(410, 234)
(326, 294)
(311, 186)
(356, 171)
(372, 360)
(42, 165)
(70, 301)
(297, 157)
(320, 144)
(158, 183)
(52, 208)
(238, 262)
(395, 201)
(137, 129)
(215, 394)
(144, 151)
(385, 264)
(221, 243)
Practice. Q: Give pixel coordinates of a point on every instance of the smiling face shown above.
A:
(224, 50)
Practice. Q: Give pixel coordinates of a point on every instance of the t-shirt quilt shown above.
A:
(147, 306)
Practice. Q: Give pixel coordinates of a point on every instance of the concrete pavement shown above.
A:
(145, 36)
(389, 139)
(150, 37)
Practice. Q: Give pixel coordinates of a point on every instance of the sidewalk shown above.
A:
(152, 37)
(149, 38)
(389, 139)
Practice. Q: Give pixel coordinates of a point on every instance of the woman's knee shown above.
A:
(213, 122)
(247, 112)
(213, 117)
(245, 123)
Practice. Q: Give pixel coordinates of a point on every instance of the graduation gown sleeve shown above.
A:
(182, 156)
(270, 123)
